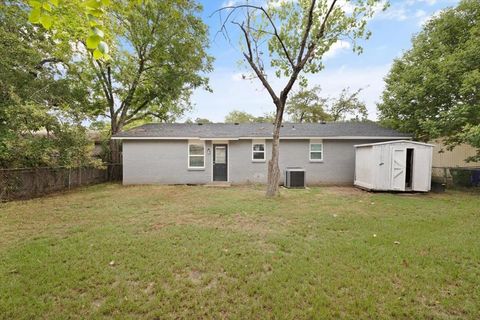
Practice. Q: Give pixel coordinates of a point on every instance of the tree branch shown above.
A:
(131, 92)
(48, 60)
(308, 27)
(321, 33)
(308, 55)
(149, 113)
(137, 110)
(258, 72)
(275, 31)
(103, 82)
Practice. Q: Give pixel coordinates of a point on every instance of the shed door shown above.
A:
(399, 158)
(422, 166)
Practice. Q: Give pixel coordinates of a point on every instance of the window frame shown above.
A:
(310, 151)
(198, 143)
(262, 142)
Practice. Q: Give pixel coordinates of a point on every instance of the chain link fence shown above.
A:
(457, 176)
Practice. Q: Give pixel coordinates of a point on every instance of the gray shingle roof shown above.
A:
(263, 130)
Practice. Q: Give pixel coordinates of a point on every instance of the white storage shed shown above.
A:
(400, 165)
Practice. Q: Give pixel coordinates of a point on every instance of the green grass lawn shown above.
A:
(195, 252)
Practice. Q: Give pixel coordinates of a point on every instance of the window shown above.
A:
(220, 155)
(316, 151)
(196, 155)
(258, 150)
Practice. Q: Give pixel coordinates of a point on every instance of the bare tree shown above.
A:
(296, 34)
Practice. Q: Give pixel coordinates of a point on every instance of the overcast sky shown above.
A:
(392, 31)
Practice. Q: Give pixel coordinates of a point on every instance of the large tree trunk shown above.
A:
(273, 168)
(114, 144)
(115, 152)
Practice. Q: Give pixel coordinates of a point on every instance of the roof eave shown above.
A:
(395, 141)
(266, 138)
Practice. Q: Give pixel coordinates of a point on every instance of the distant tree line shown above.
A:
(308, 106)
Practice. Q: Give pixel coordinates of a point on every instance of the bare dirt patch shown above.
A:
(195, 276)
(97, 303)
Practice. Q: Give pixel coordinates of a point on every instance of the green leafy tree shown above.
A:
(79, 19)
(202, 120)
(348, 104)
(237, 116)
(433, 90)
(36, 138)
(38, 106)
(307, 106)
(266, 117)
(295, 35)
(157, 58)
(198, 120)
(31, 66)
(73, 147)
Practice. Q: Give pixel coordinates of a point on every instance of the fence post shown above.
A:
(35, 179)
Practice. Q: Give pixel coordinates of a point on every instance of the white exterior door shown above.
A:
(399, 159)
(422, 169)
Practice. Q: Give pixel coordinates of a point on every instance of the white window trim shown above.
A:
(310, 150)
(196, 142)
(254, 142)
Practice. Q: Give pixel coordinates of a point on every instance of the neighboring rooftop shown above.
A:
(259, 130)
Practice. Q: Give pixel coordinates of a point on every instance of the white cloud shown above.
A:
(422, 16)
(346, 6)
(427, 18)
(429, 2)
(229, 3)
(410, 10)
(336, 48)
(420, 13)
(394, 12)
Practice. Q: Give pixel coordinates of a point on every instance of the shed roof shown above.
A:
(353, 130)
(393, 142)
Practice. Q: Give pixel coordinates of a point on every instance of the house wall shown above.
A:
(162, 162)
(165, 162)
(442, 158)
(337, 166)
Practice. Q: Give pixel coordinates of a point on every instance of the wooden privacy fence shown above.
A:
(34, 182)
